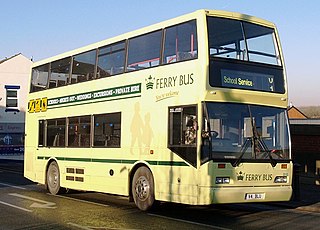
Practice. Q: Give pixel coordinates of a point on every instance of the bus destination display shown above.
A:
(247, 80)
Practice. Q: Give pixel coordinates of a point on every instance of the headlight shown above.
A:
(222, 180)
(281, 179)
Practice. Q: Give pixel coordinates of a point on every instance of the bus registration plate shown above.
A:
(255, 196)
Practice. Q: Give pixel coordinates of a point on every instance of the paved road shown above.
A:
(25, 205)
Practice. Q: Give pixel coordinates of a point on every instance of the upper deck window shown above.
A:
(111, 60)
(180, 42)
(172, 44)
(40, 77)
(83, 66)
(144, 51)
(59, 74)
(242, 41)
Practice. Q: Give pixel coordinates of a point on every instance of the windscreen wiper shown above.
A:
(243, 150)
(257, 144)
(262, 146)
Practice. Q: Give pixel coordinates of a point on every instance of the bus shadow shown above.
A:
(218, 215)
(306, 195)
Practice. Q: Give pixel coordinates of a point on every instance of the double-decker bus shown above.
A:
(191, 110)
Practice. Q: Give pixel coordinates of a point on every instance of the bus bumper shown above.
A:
(223, 195)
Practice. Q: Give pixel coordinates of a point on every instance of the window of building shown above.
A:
(111, 60)
(83, 67)
(144, 51)
(12, 98)
(181, 42)
(11, 139)
(79, 131)
(40, 77)
(107, 130)
(59, 73)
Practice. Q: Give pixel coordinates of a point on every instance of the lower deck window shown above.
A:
(183, 128)
(79, 131)
(107, 129)
(56, 132)
(102, 130)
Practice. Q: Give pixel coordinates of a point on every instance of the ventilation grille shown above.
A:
(75, 174)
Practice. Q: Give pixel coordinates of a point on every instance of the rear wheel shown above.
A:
(53, 179)
(143, 188)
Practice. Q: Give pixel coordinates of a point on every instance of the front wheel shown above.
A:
(143, 188)
(53, 179)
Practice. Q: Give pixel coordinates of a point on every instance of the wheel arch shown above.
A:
(135, 167)
(46, 169)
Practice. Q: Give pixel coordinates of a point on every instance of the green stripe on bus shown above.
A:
(74, 159)
(43, 158)
(168, 163)
(116, 161)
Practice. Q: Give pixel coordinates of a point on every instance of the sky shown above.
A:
(43, 28)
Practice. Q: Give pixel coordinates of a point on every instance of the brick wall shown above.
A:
(305, 144)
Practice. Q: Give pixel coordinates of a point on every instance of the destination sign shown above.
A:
(247, 80)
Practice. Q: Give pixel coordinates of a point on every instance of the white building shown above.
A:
(14, 76)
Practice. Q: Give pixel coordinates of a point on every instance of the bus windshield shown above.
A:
(243, 132)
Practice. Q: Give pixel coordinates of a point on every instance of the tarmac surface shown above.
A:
(306, 195)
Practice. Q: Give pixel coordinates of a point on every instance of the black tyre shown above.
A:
(53, 179)
(143, 188)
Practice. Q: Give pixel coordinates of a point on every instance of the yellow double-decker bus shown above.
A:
(191, 110)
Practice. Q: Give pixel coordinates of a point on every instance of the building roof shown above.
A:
(6, 59)
(295, 113)
(304, 121)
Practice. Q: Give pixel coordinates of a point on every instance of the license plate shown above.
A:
(255, 196)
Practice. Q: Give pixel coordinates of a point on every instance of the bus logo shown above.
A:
(149, 82)
(44, 103)
(38, 105)
(240, 176)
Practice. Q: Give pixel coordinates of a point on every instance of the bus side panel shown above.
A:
(29, 160)
(176, 183)
(30, 148)
(101, 173)
(40, 166)
(110, 178)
